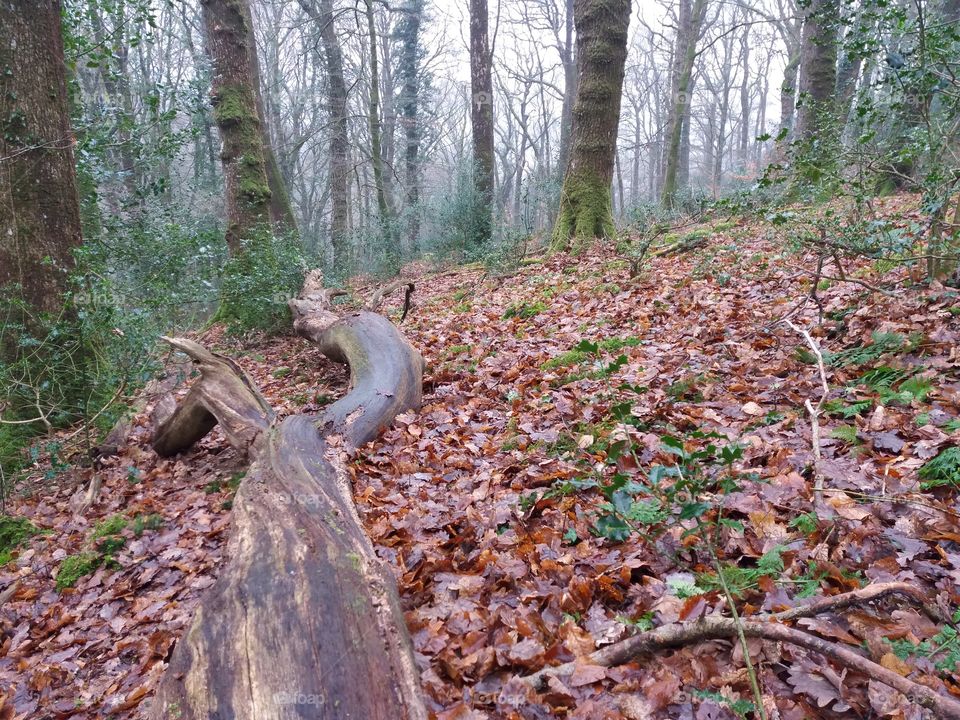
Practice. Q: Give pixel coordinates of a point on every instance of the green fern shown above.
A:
(942, 470)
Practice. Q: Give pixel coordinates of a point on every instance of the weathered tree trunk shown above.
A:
(481, 115)
(687, 35)
(321, 12)
(304, 620)
(816, 112)
(585, 203)
(234, 100)
(39, 205)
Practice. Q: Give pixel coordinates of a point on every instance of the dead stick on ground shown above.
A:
(815, 411)
(770, 627)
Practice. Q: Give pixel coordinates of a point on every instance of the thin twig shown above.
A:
(815, 411)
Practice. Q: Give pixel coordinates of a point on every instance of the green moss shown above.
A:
(608, 288)
(233, 104)
(113, 525)
(75, 567)
(567, 359)
(585, 212)
(142, 523)
(615, 344)
(14, 532)
(110, 545)
(524, 310)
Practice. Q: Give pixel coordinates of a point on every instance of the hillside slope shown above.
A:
(523, 509)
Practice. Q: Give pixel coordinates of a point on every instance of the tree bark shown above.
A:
(481, 115)
(321, 13)
(281, 211)
(569, 61)
(585, 203)
(409, 32)
(234, 100)
(385, 212)
(686, 54)
(304, 620)
(39, 205)
(816, 111)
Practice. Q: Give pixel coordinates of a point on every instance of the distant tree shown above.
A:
(585, 203)
(385, 212)
(281, 211)
(234, 98)
(321, 12)
(39, 205)
(481, 87)
(685, 53)
(408, 32)
(817, 124)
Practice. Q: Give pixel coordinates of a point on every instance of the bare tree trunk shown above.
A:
(569, 62)
(585, 202)
(281, 211)
(481, 87)
(384, 210)
(744, 149)
(321, 12)
(234, 99)
(816, 118)
(688, 34)
(39, 205)
(409, 32)
(304, 620)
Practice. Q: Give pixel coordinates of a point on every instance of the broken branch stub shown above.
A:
(304, 620)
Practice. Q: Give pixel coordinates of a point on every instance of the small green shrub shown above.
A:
(846, 433)
(258, 281)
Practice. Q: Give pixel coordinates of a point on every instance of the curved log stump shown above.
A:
(304, 620)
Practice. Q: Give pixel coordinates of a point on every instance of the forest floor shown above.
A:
(522, 509)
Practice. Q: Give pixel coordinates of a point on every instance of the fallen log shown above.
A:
(304, 620)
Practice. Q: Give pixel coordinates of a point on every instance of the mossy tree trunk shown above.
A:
(585, 203)
(481, 118)
(39, 205)
(233, 95)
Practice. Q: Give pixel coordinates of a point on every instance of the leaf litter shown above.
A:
(482, 502)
